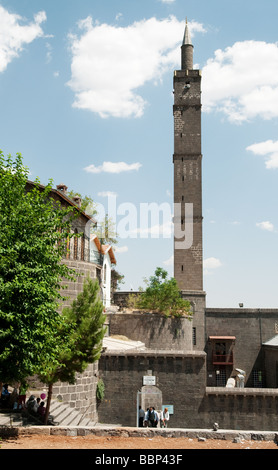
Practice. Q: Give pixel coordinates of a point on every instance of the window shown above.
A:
(75, 246)
(104, 274)
(220, 378)
(194, 336)
(83, 248)
(98, 275)
(257, 379)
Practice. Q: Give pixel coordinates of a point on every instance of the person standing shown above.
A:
(141, 417)
(152, 417)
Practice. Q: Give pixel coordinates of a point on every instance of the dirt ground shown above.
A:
(96, 442)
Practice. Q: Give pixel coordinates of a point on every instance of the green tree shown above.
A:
(33, 233)
(162, 295)
(105, 230)
(116, 279)
(87, 203)
(84, 321)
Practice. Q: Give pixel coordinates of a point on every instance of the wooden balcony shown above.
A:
(223, 359)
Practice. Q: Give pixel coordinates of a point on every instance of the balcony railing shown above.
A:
(96, 257)
(223, 359)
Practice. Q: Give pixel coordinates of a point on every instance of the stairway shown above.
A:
(64, 415)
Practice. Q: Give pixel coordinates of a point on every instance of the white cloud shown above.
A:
(169, 261)
(266, 226)
(211, 263)
(110, 63)
(113, 167)
(242, 81)
(14, 35)
(269, 149)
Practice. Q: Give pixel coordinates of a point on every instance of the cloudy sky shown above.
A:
(86, 97)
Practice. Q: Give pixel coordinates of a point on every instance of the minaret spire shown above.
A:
(186, 50)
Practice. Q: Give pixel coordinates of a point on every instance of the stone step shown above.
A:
(62, 414)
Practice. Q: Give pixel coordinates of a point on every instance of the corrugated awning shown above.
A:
(232, 338)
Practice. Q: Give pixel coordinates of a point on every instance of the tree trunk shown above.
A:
(49, 396)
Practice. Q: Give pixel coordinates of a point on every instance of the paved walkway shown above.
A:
(17, 428)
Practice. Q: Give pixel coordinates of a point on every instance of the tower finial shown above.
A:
(186, 50)
(186, 37)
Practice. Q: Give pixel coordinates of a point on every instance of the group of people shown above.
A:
(17, 401)
(36, 407)
(12, 399)
(151, 417)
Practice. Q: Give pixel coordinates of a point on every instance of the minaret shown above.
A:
(186, 51)
(187, 159)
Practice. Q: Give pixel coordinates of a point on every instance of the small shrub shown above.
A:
(100, 390)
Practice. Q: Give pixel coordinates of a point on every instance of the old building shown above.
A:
(221, 367)
(85, 253)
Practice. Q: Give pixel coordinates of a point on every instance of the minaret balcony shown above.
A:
(223, 359)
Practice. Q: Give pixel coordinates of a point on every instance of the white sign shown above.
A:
(148, 380)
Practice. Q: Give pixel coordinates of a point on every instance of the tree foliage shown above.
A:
(116, 279)
(162, 295)
(33, 233)
(84, 323)
(105, 229)
(87, 203)
(84, 328)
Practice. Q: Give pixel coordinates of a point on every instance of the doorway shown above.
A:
(149, 396)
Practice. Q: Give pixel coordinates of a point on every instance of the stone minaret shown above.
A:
(187, 159)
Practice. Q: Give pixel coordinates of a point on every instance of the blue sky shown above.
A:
(86, 97)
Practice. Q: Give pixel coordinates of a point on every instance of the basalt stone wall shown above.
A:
(156, 331)
(251, 328)
(240, 408)
(71, 289)
(81, 395)
(120, 298)
(179, 376)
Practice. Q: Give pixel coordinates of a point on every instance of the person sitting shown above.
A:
(5, 395)
(41, 410)
(36, 405)
(30, 403)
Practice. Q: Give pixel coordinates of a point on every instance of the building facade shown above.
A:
(85, 253)
(187, 160)
(223, 365)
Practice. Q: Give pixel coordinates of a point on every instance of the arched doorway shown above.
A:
(150, 395)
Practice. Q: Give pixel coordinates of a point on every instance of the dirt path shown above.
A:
(96, 442)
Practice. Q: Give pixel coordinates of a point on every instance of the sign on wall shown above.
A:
(149, 380)
(170, 408)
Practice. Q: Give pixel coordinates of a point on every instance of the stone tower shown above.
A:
(187, 159)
